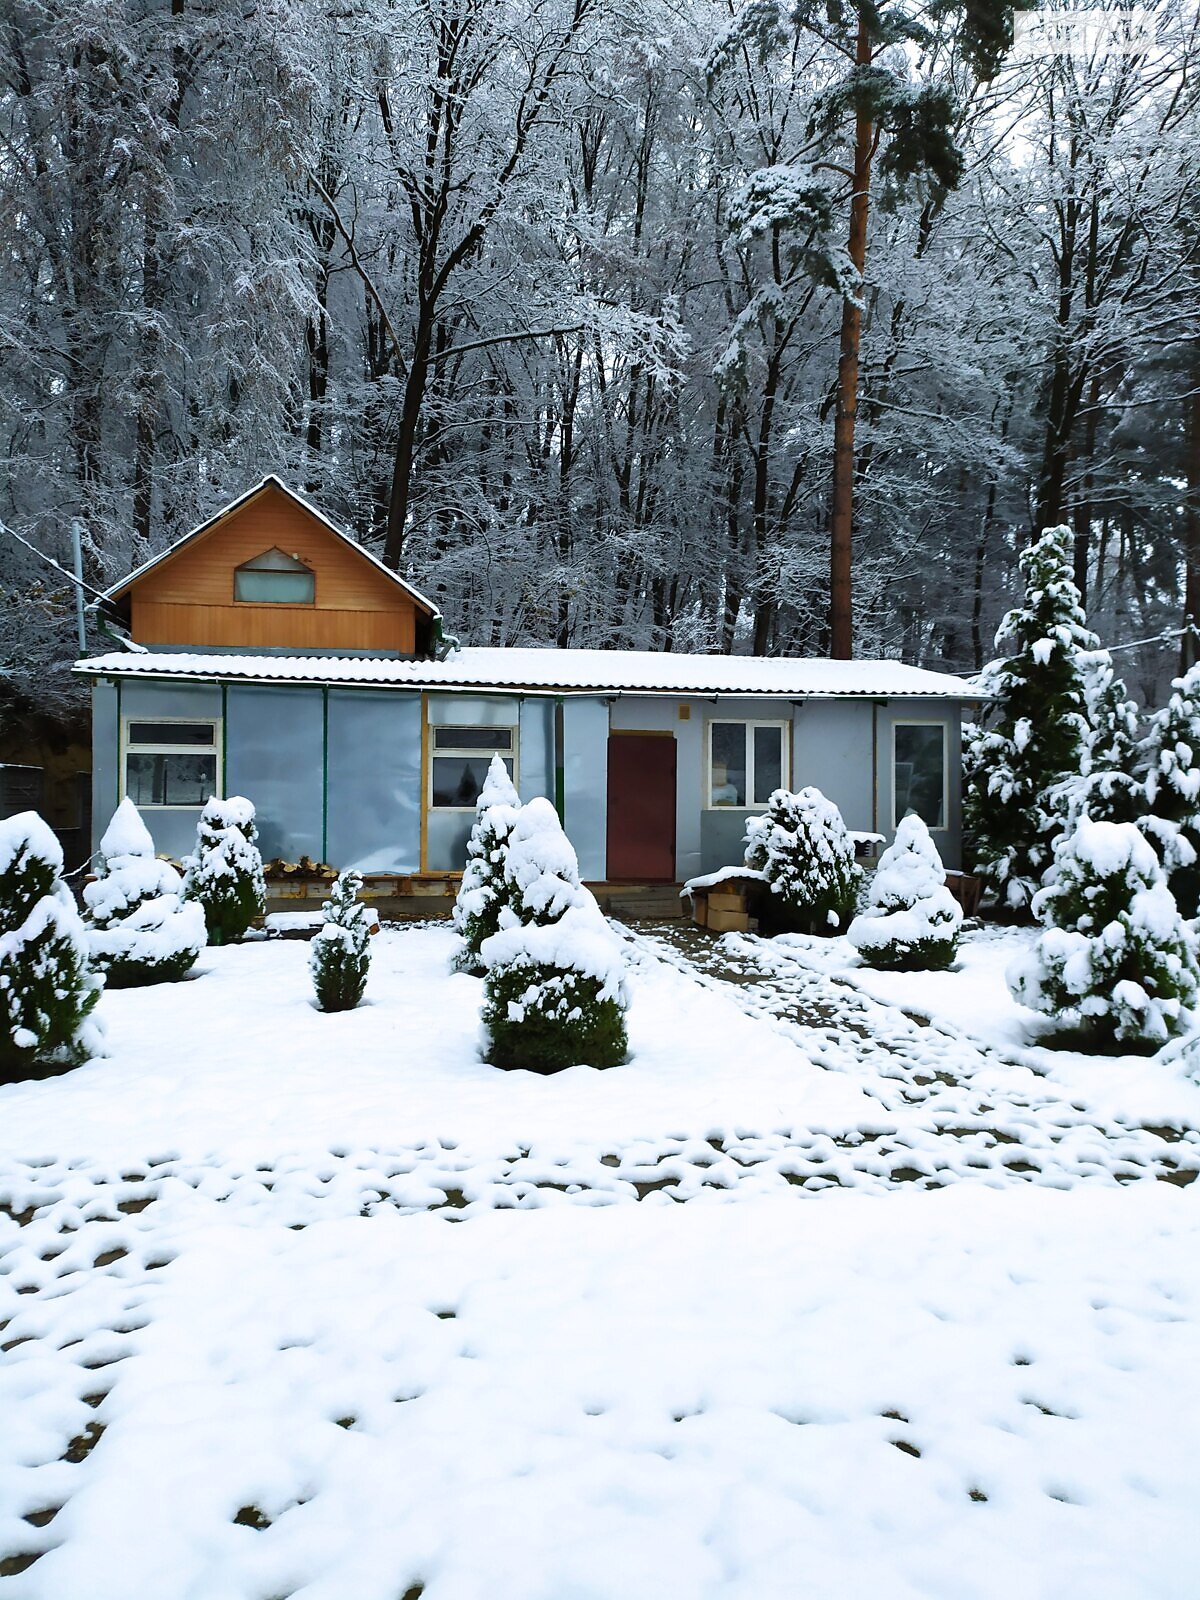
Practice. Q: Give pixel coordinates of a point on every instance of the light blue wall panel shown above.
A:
(374, 788)
(832, 751)
(585, 764)
(104, 757)
(274, 741)
(721, 840)
(536, 754)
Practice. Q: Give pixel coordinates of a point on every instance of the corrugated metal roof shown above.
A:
(570, 671)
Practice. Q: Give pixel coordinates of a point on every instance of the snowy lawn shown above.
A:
(321, 1307)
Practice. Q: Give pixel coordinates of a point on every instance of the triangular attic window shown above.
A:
(275, 578)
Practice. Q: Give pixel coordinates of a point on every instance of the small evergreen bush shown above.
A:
(555, 991)
(1117, 964)
(1106, 787)
(1037, 724)
(341, 951)
(1171, 755)
(911, 919)
(225, 874)
(481, 892)
(801, 846)
(47, 985)
(139, 930)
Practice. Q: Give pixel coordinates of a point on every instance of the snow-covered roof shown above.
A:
(568, 671)
(269, 482)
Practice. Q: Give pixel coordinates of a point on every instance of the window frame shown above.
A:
(280, 605)
(130, 747)
(748, 724)
(924, 722)
(435, 754)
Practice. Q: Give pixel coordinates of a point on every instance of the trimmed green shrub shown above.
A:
(911, 919)
(341, 952)
(482, 892)
(139, 931)
(1171, 753)
(225, 874)
(801, 846)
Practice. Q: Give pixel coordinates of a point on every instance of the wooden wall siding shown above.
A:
(188, 600)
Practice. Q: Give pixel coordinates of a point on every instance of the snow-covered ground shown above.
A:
(926, 1325)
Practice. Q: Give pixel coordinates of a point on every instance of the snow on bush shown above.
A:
(555, 985)
(139, 930)
(47, 985)
(481, 892)
(1171, 753)
(1037, 725)
(1116, 964)
(225, 874)
(911, 919)
(801, 846)
(341, 951)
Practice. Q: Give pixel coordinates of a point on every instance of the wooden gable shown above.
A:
(187, 597)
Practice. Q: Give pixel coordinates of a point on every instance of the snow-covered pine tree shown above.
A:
(341, 952)
(139, 929)
(1105, 788)
(1171, 756)
(225, 874)
(801, 845)
(911, 919)
(481, 892)
(1037, 725)
(555, 992)
(1117, 964)
(47, 985)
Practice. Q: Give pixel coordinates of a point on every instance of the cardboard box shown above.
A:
(728, 921)
(727, 900)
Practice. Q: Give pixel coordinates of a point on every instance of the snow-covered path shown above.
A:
(235, 1364)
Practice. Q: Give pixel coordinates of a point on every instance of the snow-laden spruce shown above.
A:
(225, 874)
(1117, 964)
(1037, 725)
(1106, 787)
(341, 952)
(1171, 755)
(139, 929)
(47, 984)
(911, 920)
(481, 892)
(801, 846)
(555, 986)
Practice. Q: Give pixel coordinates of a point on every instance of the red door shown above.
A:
(641, 808)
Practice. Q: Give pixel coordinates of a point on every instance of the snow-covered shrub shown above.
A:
(1171, 754)
(47, 984)
(1117, 964)
(1105, 788)
(801, 846)
(341, 951)
(225, 874)
(1037, 723)
(555, 991)
(139, 930)
(481, 892)
(911, 920)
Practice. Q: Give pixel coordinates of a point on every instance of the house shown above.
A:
(272, 656)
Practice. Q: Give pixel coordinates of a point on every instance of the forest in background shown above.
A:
(542, 299)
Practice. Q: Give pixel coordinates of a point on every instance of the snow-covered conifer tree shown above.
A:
(1171, 754)
(481, 892)
(341, 951)
(801, 845)
(555, 984)
(225, 874)
(47, 984)
(1037, 725)
(1105, 788)
(911, 919)
(139, 931)
(1116, 964)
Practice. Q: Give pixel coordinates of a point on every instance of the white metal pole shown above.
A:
(77, 551)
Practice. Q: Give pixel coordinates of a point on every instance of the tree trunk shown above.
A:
(841, 516)
(1189, 651)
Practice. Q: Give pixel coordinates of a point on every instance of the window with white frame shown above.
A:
(747, 762)
(171, 761)
(919, 771)
(460, 760)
